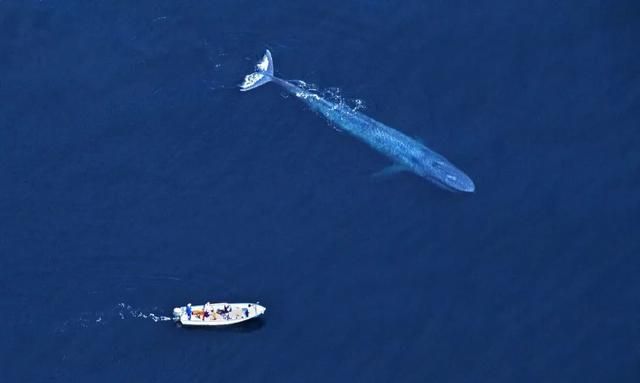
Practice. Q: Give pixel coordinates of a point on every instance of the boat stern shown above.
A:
(177, 313)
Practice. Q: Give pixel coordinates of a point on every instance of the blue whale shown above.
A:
(406, 153)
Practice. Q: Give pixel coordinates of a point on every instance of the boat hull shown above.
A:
(218, 314)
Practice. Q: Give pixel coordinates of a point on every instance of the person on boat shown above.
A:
(206, 311)
(189, 311)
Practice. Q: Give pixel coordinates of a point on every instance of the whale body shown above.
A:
(406, 153)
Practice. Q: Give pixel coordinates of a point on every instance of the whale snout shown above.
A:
(450, 177)
(460, 182)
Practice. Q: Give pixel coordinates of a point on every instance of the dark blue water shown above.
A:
(134, 177)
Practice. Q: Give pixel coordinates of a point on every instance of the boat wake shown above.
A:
(120, 312)
(127, 311)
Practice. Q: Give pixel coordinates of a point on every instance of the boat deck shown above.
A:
(218, 314)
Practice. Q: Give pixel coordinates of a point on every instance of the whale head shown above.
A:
(447, 176)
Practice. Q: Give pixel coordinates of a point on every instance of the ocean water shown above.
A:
(135, 177)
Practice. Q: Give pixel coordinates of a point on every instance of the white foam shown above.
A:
(251, 79)
(263, 65)
(103, 318)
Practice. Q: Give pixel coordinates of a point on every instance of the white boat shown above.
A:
(217, 314)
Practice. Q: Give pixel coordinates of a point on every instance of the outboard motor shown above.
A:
(177, 313)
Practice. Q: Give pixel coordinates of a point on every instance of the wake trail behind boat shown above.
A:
(121, 311)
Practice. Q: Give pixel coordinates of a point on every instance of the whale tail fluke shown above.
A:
(262, 75)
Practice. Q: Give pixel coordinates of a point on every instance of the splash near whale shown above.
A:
(406, 153)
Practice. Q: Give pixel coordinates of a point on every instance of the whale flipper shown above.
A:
(262, 75)
(390, 170)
